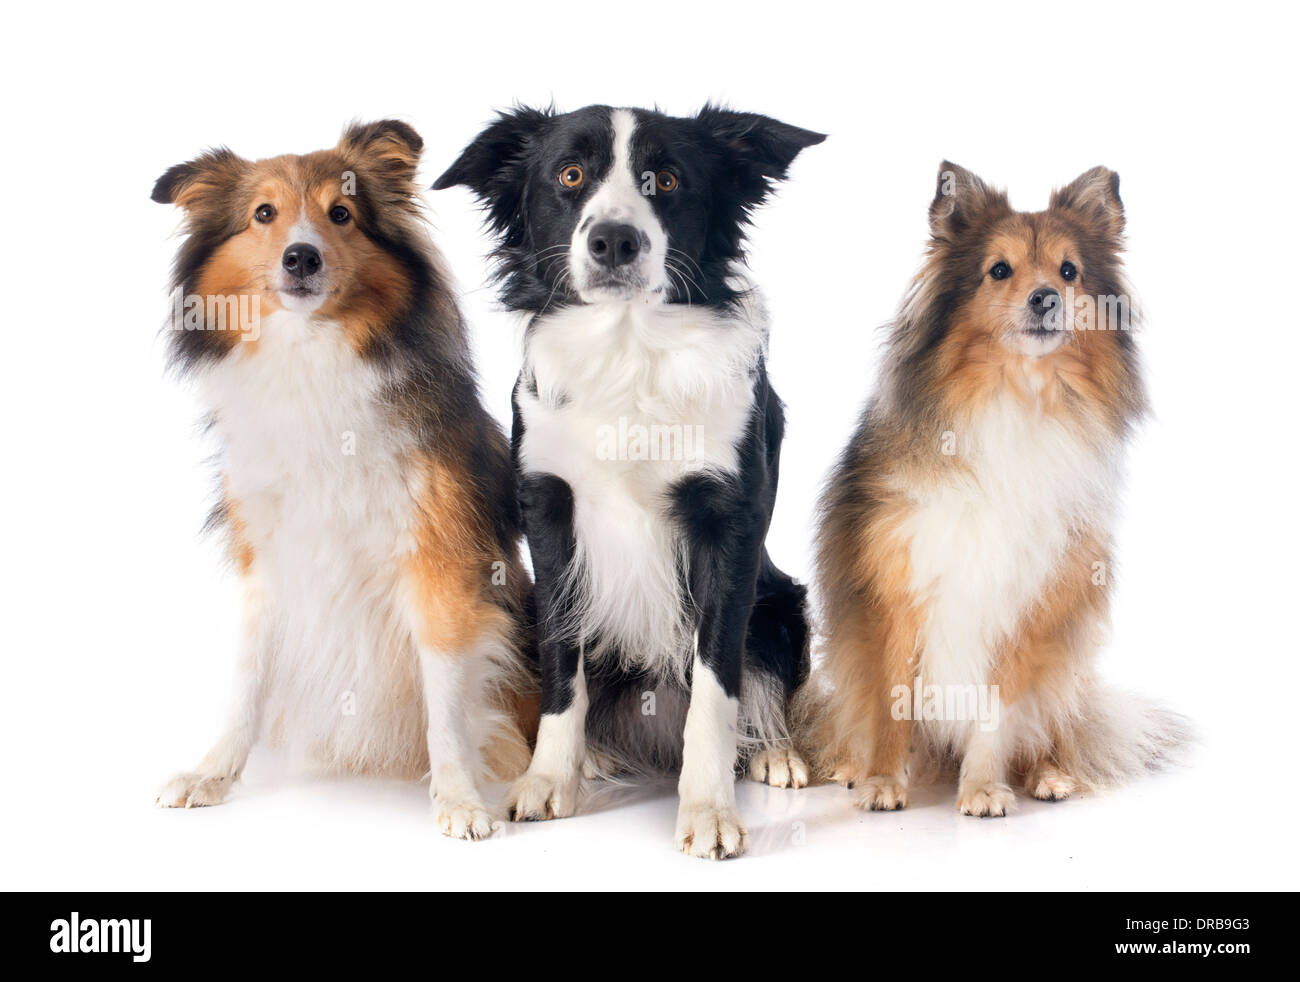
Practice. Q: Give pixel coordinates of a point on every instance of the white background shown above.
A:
(119, 620)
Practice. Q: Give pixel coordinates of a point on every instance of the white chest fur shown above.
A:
(984, 543)
(314, 465)
(629, 400)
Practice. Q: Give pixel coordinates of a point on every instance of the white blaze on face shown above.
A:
(619, 198)
(303, 230)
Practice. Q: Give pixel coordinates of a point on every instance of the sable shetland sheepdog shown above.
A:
(965, 543)
(366, 494)
(646, 440)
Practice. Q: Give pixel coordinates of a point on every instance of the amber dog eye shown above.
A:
(339, 215)
(571, 176)
(1000, 271)
(666, 181)
(1069, 271)
(264, 213)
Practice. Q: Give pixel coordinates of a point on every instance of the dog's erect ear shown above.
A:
(761, 147)
(494, 152)
(389, 148)
(1094, 194)
(492, 165)
(218, 170)
(960, 199)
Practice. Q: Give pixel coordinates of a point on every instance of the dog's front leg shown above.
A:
(982, 790)
(211, 781)
(725, 539)
(707, 821)
(549, 788)
(453, 694)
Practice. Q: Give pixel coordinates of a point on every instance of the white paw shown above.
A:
(880, 794)
(537, 797)
(710, 832)
(778, 767)
(192, 790)
(463, 819)
(985, 800)
(1049, 784)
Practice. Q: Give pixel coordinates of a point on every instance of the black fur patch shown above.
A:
(727, 163)
(748, 614)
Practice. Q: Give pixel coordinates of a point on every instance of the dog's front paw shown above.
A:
(710, 832)
(985, 800)
(463, 819)
(880, 794)
(194, 790)
(778, 767)
(536, 797)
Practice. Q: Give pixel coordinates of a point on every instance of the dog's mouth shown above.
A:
(1034, 340)
(619, 284)
(1043, 327)
(302, 294)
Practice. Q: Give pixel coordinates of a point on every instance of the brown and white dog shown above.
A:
(965, 545)
(366, 494)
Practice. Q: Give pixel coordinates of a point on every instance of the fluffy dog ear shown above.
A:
(216, 171)
(960, 199)
(389, 148)
(761, 148)
(1094, 194)
(491, 166)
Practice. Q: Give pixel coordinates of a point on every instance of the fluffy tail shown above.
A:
(1113, 737)
(1117, 736)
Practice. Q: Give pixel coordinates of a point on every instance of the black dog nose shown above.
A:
(302, 260)
(1044, 299)
(612, 244)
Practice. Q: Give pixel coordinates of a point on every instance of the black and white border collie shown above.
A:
(646, 443)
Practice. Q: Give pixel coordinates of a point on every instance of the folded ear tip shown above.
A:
(164, 189)
(407, 132)
(361, 133)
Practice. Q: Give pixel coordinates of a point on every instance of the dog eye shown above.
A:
(1069, 271)
(666, 181)
(339, 215)
(1000, 271)
(571, 176)
(264, 213)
